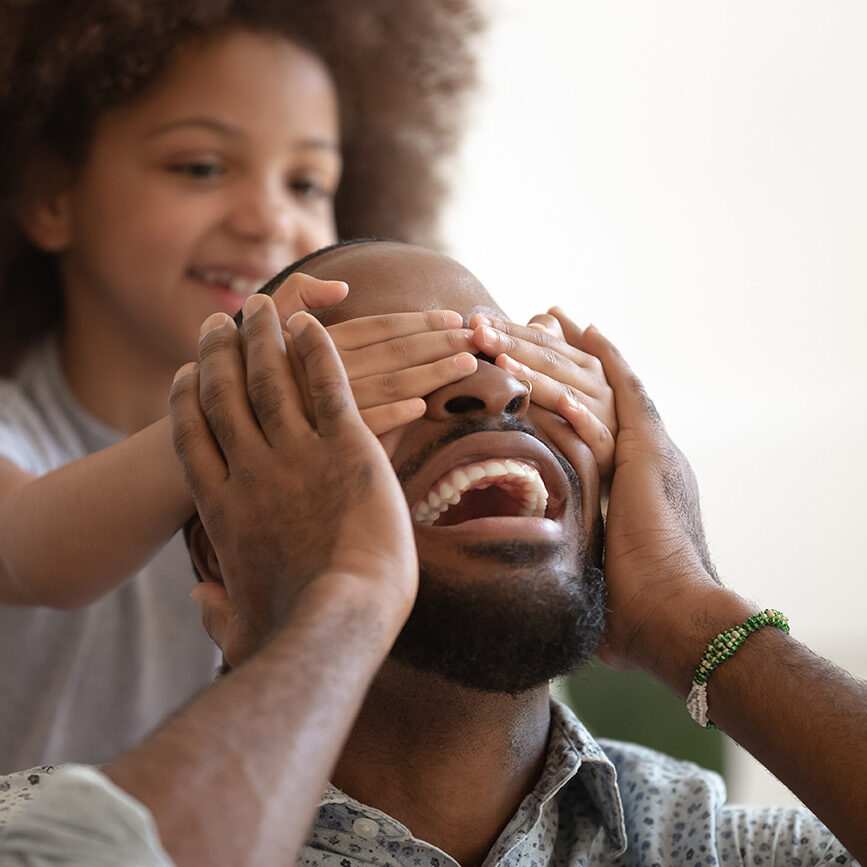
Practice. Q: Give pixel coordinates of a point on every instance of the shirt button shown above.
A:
(365, 828)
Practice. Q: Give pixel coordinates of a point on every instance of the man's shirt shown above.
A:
(596, 803)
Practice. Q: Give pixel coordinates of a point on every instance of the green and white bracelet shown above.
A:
(718, 651)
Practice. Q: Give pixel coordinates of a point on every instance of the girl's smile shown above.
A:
(191, 197)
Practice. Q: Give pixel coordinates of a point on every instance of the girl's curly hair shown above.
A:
(402, 69)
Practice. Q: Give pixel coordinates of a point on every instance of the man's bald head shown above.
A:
(391, 277)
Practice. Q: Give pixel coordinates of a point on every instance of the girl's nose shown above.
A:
(264, 211)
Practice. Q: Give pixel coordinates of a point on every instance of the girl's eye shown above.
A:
(309, 188)
(198, 169)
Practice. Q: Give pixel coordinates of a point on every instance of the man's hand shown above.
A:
(287, 500)
(547, 354)
(657, 564)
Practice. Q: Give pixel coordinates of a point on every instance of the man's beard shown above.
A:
(512, 632)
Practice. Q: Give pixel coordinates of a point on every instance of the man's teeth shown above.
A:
(235, 283)
(521, 480)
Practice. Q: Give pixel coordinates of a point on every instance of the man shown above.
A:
(452, 748)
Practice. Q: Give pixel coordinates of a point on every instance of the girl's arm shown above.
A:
(70, 536)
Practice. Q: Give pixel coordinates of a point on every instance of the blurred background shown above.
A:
(691, 177)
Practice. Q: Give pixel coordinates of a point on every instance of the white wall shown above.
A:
(691, 177)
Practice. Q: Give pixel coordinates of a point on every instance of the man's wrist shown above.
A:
(677, 630)
(373, 611)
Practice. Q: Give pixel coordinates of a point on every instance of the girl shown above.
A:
(159, 161)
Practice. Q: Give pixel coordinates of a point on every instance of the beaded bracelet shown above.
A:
(718, 651)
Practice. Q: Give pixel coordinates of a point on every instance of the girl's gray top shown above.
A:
(86, 684)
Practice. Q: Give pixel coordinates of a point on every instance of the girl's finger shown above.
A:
(389, 416)
(417, 381)
(194, 444)
(547, 323)
(572, 333)
(495, 336)
(367, 330)
(302, 292)
(406, 351)
(595, 434)
(548, 392)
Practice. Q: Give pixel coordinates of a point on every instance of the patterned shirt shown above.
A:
(596, 803)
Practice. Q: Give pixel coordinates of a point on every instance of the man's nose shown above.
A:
(489, 392)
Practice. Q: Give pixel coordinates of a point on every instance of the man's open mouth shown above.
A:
(501, 487)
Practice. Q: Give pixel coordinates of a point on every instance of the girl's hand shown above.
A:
(563, 378)
(393, 360)
(301, 292)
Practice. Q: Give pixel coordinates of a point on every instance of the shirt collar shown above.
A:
(572, 753)
(594, 769)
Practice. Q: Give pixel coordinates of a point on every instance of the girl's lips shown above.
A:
(240, 282)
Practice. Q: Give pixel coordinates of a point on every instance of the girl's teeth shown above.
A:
(235, 283)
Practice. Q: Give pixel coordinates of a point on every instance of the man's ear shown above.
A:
(43, 209)
(203, 554)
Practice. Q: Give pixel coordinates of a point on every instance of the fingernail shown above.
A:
(185, 370)
(215, 320)
(465, 362)
(481, 319)
(489, 335)
(297, 322)
(591, 327)
(254, 303)
(453, 319)
(511, 365)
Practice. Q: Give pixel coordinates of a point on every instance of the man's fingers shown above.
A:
(331, 398)
(271, 388)
(302, 292)
(223, 387)
(634, 408)
(406, 351)
(193, 442)
(418, 381)
(367, 330)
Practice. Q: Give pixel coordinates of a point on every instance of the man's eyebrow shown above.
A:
(230, 131)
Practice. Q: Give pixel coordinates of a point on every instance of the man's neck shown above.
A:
(451, 764)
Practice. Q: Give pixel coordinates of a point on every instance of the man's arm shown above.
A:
(236, 776)
(799, 715)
